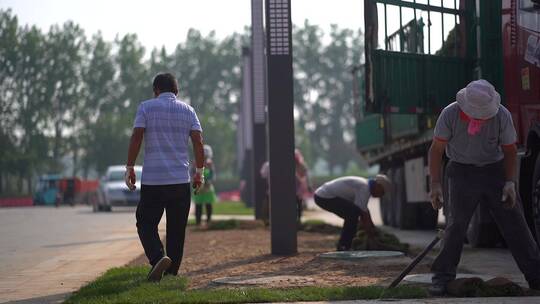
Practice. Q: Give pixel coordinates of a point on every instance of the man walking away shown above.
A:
(166, 124)
(348, 198)
(480, 140)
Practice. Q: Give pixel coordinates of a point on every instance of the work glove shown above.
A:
(436, 196)
(198, 180)
(509, 195)
(130, 178)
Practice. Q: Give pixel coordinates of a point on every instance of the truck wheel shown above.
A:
(483, 231)
(532, 212)
(405, 213)
(385, 205)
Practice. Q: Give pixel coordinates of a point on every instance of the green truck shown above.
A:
(418, 54)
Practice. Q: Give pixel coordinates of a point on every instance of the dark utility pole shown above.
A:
(258, 73)
(247, 128)
(281, 127)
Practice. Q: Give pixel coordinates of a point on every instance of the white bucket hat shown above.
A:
(479, 100)
(384, 181)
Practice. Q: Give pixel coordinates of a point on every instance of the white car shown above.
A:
(114, 192)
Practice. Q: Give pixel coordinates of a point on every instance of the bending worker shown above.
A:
(480, 140)
(348, 198)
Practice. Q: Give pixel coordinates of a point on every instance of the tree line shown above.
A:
(65, 95)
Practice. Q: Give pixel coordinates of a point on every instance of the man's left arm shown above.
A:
(367, 223)
(507, 139)
(361, 200)
(510, 161)
(509, 196)
(133, 151)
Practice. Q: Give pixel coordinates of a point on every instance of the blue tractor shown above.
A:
(48, 190)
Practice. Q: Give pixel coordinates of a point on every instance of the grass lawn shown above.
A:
(129, 285)
(231, 208)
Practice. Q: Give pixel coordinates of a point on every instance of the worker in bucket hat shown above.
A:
(348, 198)
(478, 136)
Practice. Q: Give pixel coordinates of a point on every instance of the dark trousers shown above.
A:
(346, 210)
(199, 210)
(175, 199)
(299, 208)
(469, 186)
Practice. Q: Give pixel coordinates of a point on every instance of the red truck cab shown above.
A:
(521, 55)
(521, 61)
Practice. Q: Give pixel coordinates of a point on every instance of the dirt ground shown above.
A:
(211, 254)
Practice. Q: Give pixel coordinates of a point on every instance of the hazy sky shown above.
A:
(166, 22)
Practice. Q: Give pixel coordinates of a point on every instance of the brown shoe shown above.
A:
(156, 273)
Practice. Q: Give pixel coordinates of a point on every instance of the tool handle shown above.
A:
(416, 260)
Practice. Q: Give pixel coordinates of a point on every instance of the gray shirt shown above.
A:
(480, 149)
(351, 188)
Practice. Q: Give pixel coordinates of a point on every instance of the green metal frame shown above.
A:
(408, 83)
(403, 125)
(370, 132)
(408, 88)
(419, 6)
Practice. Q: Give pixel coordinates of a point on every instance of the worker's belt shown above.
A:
(486, 166)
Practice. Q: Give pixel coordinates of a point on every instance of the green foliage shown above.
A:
(128, 285)
(323, 93)
(382, 241)
(223, 224)
(319, 226)
(66, 95)
(235, 224)
(232, 208)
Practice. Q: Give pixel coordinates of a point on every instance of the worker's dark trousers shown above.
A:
(468, 186)
(346, 210)
(175, 199)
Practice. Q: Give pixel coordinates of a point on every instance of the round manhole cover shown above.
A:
(283, 280)
(425, 278)
(361, 255)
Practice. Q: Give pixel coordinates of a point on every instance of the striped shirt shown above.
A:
(168, 123)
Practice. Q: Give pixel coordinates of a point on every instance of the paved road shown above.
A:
(46, 252)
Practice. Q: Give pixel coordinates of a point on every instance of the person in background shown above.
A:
(166, 124)
(479, 138)
(302, 182)
(303, 187)
(348, 198)
(265, 174)
(206, 196)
